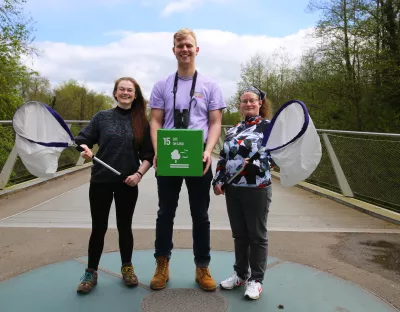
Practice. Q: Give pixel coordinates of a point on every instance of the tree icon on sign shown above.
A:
(175, 155)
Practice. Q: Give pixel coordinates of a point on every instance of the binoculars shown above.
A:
(181, 119)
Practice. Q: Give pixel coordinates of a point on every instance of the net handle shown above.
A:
(80, 149)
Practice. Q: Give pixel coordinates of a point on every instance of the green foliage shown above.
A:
(76, 102)
(19, 84)
(231, 114)
(351, 81)
(15, 40)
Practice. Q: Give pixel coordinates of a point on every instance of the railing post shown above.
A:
(340, 176)
(8, 168)
(81, 160)
(220, 143)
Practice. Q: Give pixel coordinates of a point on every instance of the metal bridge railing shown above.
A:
(363, 165)
(12, 169)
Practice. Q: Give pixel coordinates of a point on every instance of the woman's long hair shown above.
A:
(266, 109)
(138, 113)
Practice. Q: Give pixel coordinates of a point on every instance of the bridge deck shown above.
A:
(316, 244)
(292, 209)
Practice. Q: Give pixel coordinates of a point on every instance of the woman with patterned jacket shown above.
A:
(248, 196)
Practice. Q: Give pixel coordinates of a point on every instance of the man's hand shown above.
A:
(155, 162)
(214, 132)
(218, 190)
(87, 153)
(157, 118)
(207, 160)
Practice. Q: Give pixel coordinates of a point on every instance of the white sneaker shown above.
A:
(232, 282)
(253, 290)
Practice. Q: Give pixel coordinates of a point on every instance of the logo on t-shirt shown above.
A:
(198, 95)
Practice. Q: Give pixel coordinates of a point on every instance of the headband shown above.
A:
(261, 94)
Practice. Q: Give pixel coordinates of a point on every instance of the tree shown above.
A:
(274, 77)
(76, 102)
(36, 88)
(15, 41)
(350, 80)
(231, 114)
(361, 43)
(340, 29)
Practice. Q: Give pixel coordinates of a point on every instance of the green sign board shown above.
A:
(180, 152)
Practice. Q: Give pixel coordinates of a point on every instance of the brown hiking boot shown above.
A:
(161, 275)
(204, 279)
(88, 281)
(128, 275)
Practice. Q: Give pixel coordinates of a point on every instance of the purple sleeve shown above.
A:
(156, 97)
(216, 98)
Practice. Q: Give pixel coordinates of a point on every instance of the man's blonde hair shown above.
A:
(183, 33)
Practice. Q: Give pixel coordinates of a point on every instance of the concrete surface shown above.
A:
(373, 210)
(370, 260)
(288, 286)
(292, 209)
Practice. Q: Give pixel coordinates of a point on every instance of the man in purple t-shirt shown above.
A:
(205, 98)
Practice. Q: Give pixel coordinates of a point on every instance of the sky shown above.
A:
(97, 41)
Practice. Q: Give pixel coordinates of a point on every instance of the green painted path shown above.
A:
(288, 287)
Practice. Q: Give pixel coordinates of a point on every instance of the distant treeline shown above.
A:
(351, 81)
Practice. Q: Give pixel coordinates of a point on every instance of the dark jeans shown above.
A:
(248, 211)
(101, 196)
(199, 200)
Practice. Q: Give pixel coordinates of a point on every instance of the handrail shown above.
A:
(332, 151)
(395, 135)
(6, 170)
(9, 122)
(342, 176)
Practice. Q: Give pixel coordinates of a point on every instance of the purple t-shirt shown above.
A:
(207, 93)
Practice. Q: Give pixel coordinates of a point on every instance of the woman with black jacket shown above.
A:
(123, 136)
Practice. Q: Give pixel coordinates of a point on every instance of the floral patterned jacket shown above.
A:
(242, 141)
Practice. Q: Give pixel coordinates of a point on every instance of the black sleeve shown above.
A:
(146, 150)
(89, 135)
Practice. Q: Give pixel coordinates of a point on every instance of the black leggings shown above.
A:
(101, 196)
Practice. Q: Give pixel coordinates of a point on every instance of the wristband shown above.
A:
(141, 175)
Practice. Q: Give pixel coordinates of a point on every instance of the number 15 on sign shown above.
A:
(167, 141)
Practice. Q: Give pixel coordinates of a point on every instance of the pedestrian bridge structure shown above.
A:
(333, 239)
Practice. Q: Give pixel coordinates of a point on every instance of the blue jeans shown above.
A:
(199, 200)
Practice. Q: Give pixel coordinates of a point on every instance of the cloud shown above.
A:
(180, 6)
(148, 57)
(67, 6)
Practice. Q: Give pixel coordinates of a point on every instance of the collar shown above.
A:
(185, 77)
(252, 120)
(123, 111)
